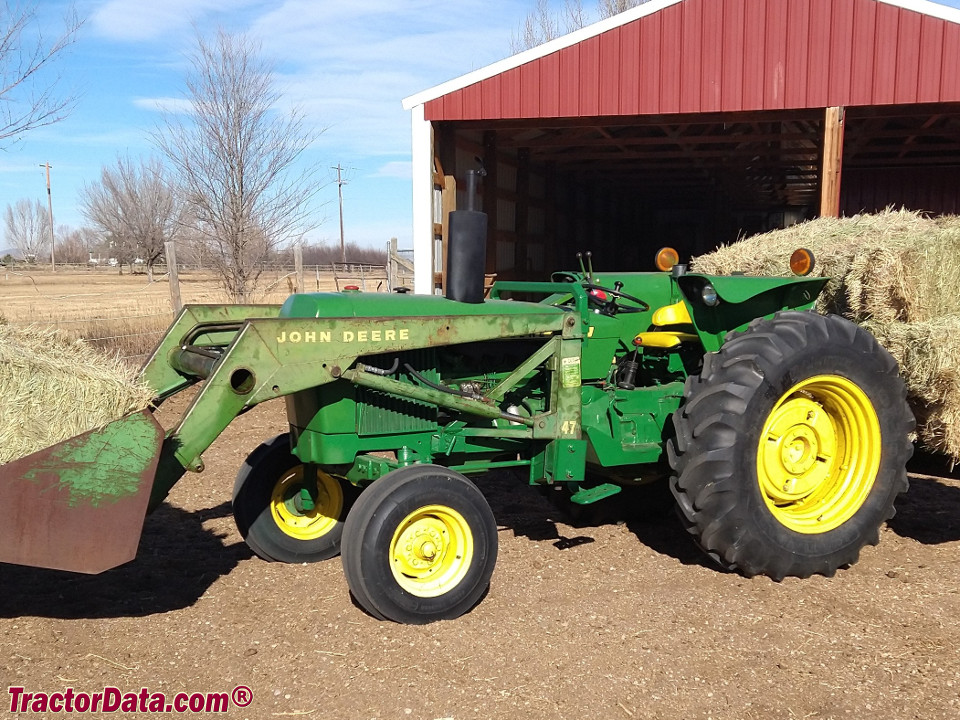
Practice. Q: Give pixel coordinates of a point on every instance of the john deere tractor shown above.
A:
(783, 434)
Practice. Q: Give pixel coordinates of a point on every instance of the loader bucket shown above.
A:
(79, 505)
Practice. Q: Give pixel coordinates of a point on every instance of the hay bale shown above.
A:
(896, 273)
(895, 265)
(52, 388)
(928, 353)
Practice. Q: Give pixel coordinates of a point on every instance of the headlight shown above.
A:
(709, 296)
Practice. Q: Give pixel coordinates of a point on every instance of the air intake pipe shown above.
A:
(467, 249)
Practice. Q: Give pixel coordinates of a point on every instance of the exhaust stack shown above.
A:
(467, 251)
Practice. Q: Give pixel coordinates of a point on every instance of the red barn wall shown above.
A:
(729, 56)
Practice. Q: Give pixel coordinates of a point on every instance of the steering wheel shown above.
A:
(609, 307)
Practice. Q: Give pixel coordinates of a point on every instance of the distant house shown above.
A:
(690, 123)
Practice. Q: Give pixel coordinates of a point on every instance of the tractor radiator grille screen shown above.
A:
(380, 413)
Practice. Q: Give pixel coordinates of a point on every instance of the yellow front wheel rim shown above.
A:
(819, 454)
(431, 551)
(303, 522)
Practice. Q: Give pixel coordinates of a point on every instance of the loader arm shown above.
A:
(158, 372)
(273, 357)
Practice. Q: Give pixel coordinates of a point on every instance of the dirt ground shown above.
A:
(624, 619)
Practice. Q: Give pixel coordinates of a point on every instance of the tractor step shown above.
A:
(587, 496)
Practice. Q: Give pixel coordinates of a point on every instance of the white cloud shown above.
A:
(138, 21)
(350, 65)
(347, 65)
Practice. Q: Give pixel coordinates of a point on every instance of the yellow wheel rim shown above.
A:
(819, 454)
(431, 551)
(295, 520)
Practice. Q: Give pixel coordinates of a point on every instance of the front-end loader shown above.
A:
(782, 433)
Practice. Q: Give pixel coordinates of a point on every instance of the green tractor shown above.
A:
(783, 434)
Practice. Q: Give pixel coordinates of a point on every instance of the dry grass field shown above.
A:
(126, 313)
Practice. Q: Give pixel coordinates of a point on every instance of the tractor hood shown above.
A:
(363, 305)
(740, 288)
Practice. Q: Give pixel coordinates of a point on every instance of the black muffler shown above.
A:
(467, 247)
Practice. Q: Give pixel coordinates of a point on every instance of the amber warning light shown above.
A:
(666, 258)
(802, 262)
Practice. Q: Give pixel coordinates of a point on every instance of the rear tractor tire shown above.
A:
(284, 516)
(419, 545)
(791, 446)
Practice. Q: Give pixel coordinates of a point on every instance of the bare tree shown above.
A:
(609, 8)
(539, 26)
(29, 96)
(27, 227)
(76, 245)
(193, 247)
(136, 207)
(236, 157)
(328, 253)
(543, 24)
(575, 17)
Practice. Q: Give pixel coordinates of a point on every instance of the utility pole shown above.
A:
(343, 248)
(53, 262)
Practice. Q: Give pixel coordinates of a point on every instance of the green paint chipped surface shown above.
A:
(103, 466)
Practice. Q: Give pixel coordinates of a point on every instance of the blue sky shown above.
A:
(347, 64)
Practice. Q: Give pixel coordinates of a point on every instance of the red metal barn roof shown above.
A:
(699, 56)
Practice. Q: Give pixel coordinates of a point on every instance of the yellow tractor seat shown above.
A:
(676, 314)
(663, 339)
(669, 315)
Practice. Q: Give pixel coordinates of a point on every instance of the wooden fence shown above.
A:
(398, 272)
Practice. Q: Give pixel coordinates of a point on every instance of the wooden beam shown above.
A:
(742, 152)
(554, 256)
(832, 162)
(521, 215)
(448, 205)
(908, 148)
(446, 148)
(491, 193)
(901, 111)
(562, 141)
(633, 121)
(936, 161)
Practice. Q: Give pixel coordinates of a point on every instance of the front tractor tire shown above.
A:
(284, 516)
(791, 446)
(419, 545)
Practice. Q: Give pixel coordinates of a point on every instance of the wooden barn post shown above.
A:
(174, 276)
(832, 162)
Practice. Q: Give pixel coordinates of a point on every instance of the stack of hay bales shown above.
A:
(897, 273)
(52, 388)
